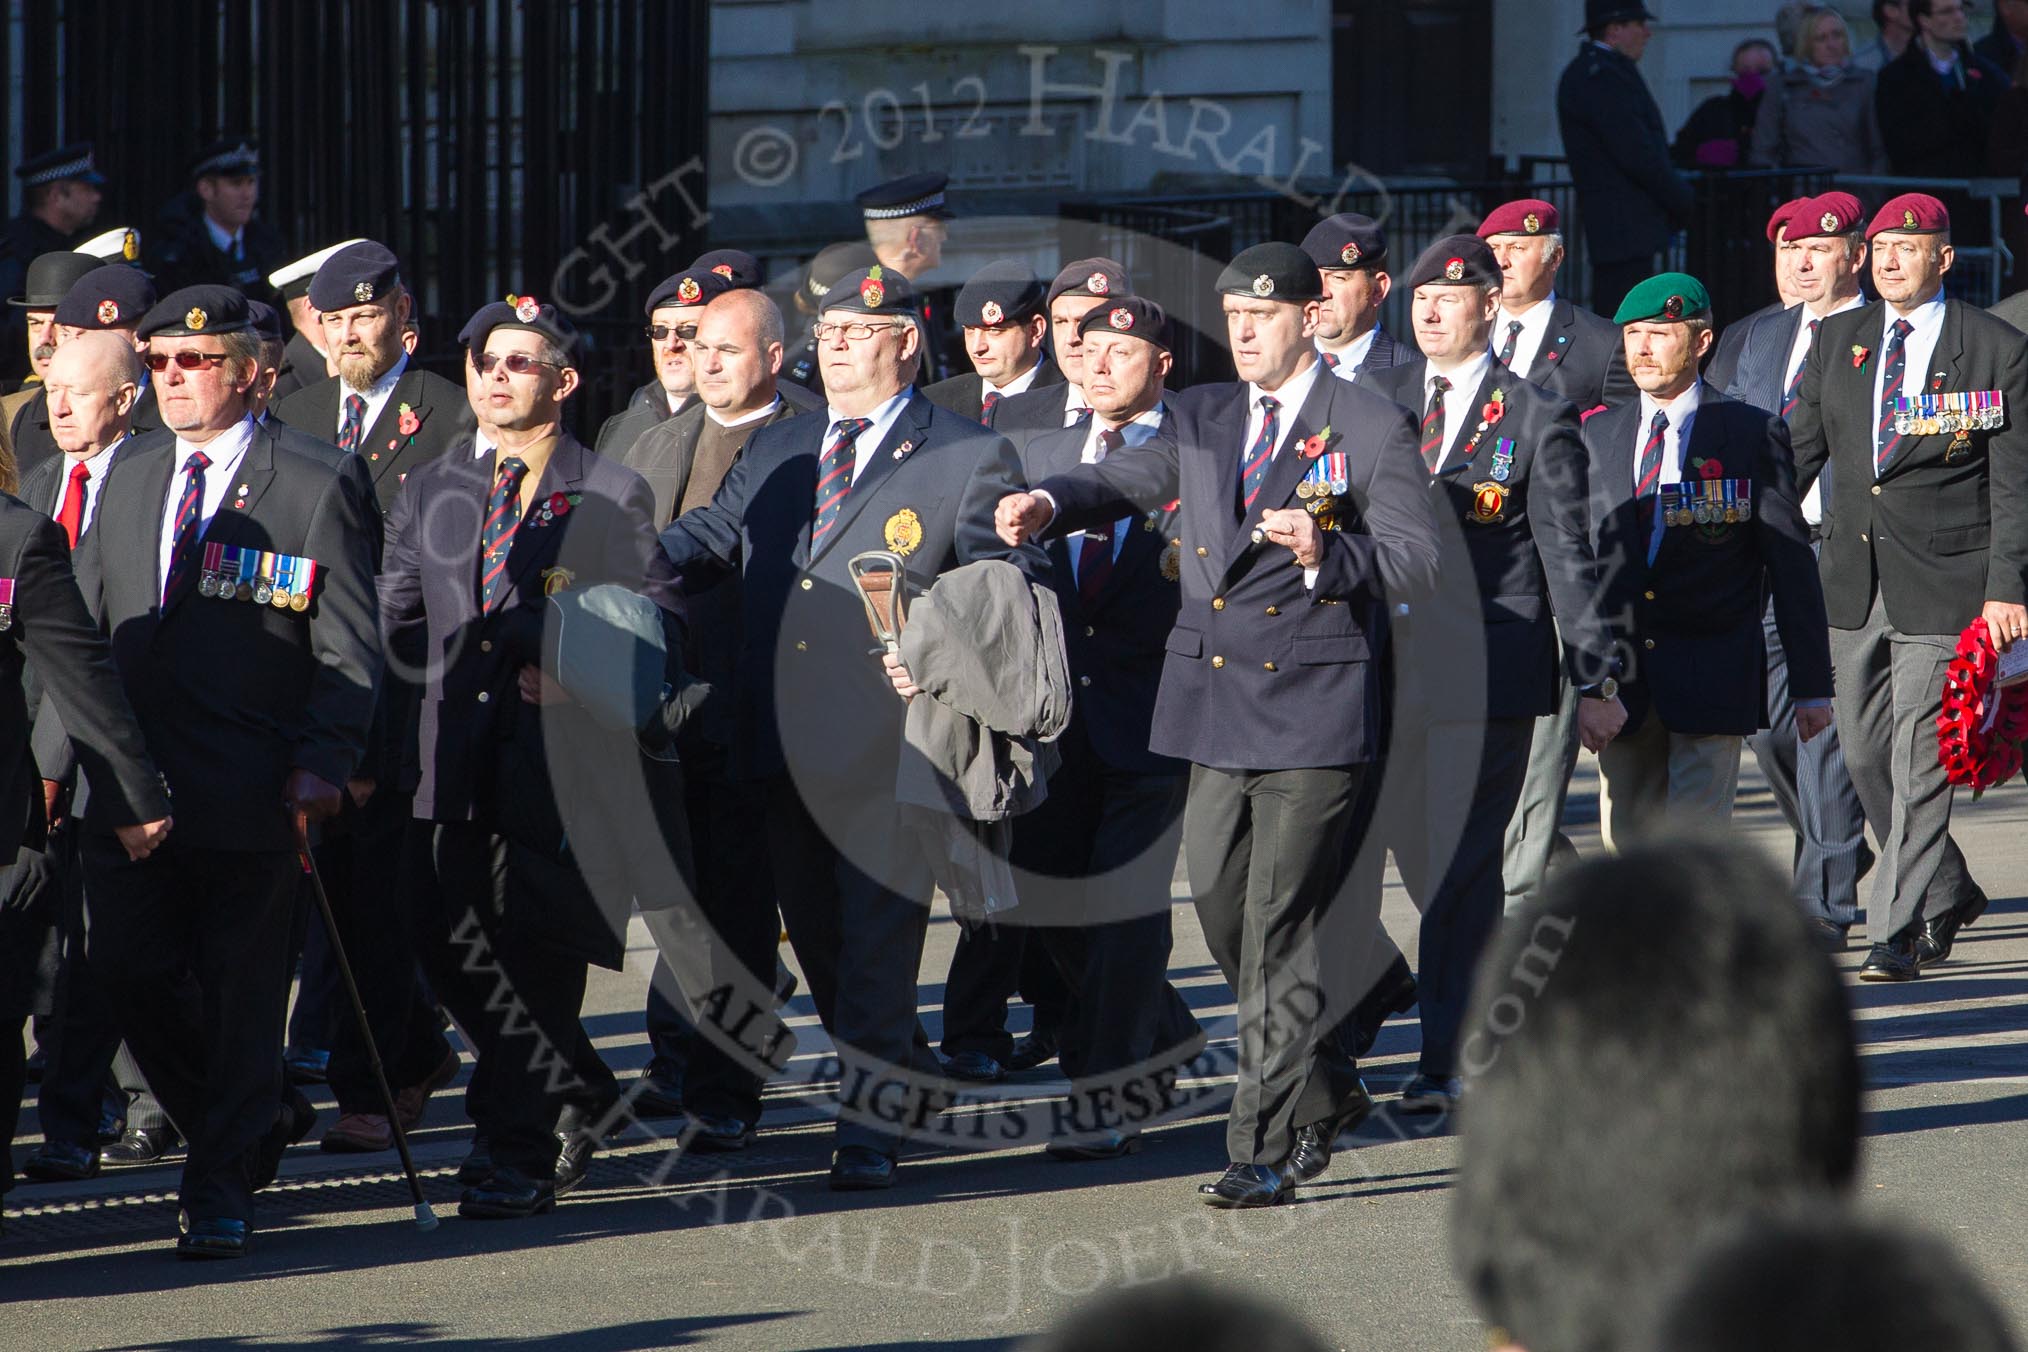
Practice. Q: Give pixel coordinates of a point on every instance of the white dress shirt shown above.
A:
(1132, 433)
(1294, 393)
(1682, 411)
(755, 416)
(1020, 384)
(1352, 356)
(376, 399)
(1813, 501)
(96, 467)
(1074, 403)
(1534, 323)
(226, 240)
(869, 440)
(1915, 354)
(1460, 410)
(225, 452)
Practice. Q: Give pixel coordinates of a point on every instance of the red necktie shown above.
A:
(1095, 554)
(71, 515)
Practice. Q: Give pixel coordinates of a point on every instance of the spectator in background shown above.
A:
(1890, 19)
(1819, 110)
(2008, 41)
(2007, 157)
(1720, 129)
(1936, 100)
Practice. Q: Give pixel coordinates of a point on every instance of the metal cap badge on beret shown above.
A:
(1780, 218)
(114, 296)
(357, 274)
(832, 264)
(692, 286)
(872, 291)
(1347, 240)
(233, 157)
(483, 321)
(532, 316)
(1525, 216)
(737, 266)
(1455, 260)
(1664, 298)
(1090, 277)
(50, 278)
(195, 310)
(1831, 213)
(911, 195)
(1272, 271)
(293, 279)
(1134, 316)
(121, 244)
(1005, 291)
(265, 320)
(65, 162)
(1912, 213)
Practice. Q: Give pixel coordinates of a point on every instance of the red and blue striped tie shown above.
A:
(1253, 472)
(354, 425)
(1794, 394)
(1648, 476)
(834, 476)
(496, 538)
(183, 536)
(1891, 373)
(987, 405)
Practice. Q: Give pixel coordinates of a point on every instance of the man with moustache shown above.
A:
(48, 281)
(1080, 288)
(1350, 251)
(1271, 685)
(1001, 313)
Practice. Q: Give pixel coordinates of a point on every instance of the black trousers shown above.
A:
(191, 946)
(83, 1037)
(988, 967)
(24, 936)
(1266, 852)
(516, 995)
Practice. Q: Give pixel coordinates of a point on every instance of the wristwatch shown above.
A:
(1606, 689)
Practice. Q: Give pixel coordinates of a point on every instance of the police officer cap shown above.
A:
(692, 286)
(1525, 216)
(50, 278)
(912, 195)
(114, 296)
(71, 162)
(1090, 277)
(196, 310)
(1347, 240)
(1664, 299)
(1005, 291)
(1912, 213)
(233, 157)
(266, 320)
(1831, 213)
(1599, 13)
(873, 291)
(832, 264)
(357, 274)
(737, 266)
(1135, 316)
(483, 321)
(1455, 260)
(1272, 271)
(532, 316)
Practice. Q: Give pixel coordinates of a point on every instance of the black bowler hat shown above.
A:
(197, 310)
(483, 321)
(114, 296)
(1134, 316)
(233, 157)
(1272, 271)
(913, 195)
(73, 162)
(737, 266)
(1005, 291)
(1599, 13)
(872, 291)
(266, 320)
(532, 316)
(50, 278)
(1455, 260)
(357, 274)
(692, 286)
(1347, 240)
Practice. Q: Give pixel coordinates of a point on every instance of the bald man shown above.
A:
(94, 385)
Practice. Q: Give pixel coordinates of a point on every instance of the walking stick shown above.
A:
(425, 1219)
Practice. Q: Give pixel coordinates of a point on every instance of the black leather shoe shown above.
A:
(1432, 1094)
(1247, 1185)
(718, 1135)
(1891, 961)
(574, 1160)
(507, 1195)
(1029, 1052)
(212, 1237)
(477, 1165)
(62, 1162)
(1107, 1145)
(1933, 942)
(861, 1168)
(140, 1145)
(658, 1095)
(1314, 1143)
(1827, 935)
(292, 1124)
(976, 1067)
(1394, 993)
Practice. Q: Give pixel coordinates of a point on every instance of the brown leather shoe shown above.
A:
(359, 1134)
(410, 1103)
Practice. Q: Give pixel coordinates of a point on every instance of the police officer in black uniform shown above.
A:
(210, 233)
(905, 224)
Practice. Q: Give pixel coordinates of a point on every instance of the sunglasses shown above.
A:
(520, 363)
(185, 361)
(660, 332)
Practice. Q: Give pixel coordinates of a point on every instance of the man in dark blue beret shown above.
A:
(1350, 251)
(210, 233)
(1001, 312)
(60, 191)
(1079, 288)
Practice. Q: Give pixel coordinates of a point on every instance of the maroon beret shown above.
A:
(1832, 213)
(1781, 217)
(1528, 216)
(1912, 213)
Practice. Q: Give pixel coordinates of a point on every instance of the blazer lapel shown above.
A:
(1288, 466)
(1556, 340)
(903, 439)
(535, 541)
(1614, 508)
(383, 443)
(156, 468)
(1946, 372)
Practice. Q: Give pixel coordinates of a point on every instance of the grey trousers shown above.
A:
(1538, 817)
(1890, 692)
